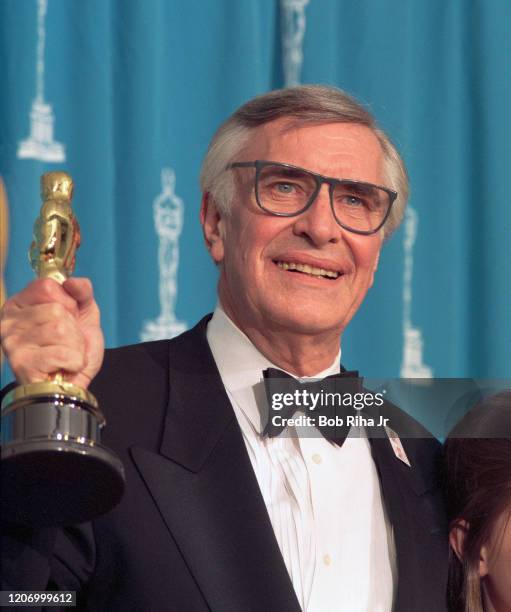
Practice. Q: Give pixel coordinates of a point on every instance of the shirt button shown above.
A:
(327, 560)
(316, 458)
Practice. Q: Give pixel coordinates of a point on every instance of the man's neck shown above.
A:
(298, 354)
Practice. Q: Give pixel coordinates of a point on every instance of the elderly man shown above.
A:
(300, 189)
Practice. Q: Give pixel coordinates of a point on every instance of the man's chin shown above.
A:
(304, 323)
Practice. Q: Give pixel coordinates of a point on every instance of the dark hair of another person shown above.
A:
(478, 488)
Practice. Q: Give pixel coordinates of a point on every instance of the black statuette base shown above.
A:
(55, 471)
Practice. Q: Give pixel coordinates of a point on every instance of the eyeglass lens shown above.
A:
(287, 191)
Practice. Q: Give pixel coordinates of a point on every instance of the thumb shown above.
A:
(80, 289)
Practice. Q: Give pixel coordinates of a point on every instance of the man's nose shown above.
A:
(317, 222)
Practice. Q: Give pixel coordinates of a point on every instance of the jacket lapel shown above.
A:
(206, 490)
(414, 507)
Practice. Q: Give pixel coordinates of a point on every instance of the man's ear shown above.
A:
(376, 262)
(212, 221)
(375, 267)
(457, 537)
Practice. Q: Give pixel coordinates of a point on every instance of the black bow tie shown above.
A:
(327, 403)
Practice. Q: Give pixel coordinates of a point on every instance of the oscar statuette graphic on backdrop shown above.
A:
(55, 471)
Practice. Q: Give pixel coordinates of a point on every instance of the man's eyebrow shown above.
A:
(291, 172)
(358, 187)
(294, 172)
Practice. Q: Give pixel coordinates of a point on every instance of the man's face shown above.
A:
(251, 245)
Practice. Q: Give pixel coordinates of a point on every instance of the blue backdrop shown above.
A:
(125, 95)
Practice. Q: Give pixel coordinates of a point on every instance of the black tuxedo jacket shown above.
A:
(192, 532)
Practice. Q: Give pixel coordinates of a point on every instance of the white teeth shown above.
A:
(306, 269)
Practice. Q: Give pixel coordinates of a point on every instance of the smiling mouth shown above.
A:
(306, 269)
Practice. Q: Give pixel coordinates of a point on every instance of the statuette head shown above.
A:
(56, 186)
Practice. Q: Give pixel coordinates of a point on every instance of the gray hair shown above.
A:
(307, 104)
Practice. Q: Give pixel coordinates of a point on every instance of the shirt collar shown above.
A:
(241, 364)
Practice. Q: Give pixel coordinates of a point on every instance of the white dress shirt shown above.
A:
(324, 501)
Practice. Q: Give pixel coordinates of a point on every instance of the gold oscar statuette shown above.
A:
(55, 471)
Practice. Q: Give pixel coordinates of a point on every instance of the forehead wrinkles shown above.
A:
(341, 135)
(340, 150)
(331, 146)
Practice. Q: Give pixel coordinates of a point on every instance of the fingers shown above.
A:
(42, 291)
(44, 325)
(36, 364)
(80, 289)
(49, 327)
(42, 339)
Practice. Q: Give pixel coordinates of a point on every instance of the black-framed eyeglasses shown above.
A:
(287, 191)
